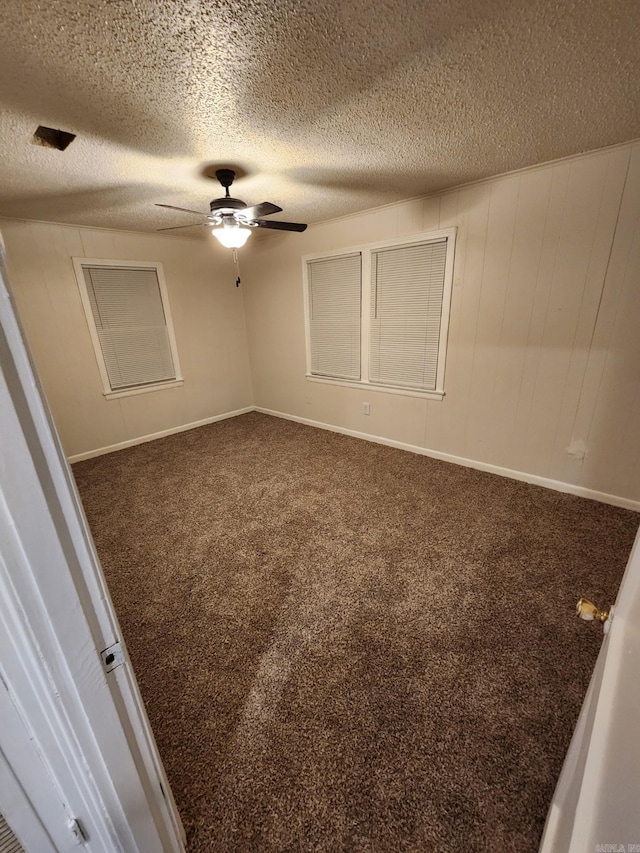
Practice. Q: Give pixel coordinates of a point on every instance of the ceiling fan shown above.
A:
(230, 219)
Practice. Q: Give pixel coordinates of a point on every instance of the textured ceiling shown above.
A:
(328, 108)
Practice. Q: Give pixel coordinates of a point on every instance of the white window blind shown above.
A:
(8, 841)
(129, 317)
(407, 287)
(334, 291)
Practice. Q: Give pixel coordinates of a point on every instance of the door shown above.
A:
(99, 770)
(595, 805)
(48, 831)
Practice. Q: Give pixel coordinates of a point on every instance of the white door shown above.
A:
(48, 830)
(596, 805)
(75, 742)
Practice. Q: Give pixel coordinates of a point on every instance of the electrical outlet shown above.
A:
(366, 408)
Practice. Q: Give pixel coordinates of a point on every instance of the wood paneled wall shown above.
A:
(208, 317)
(543, 366)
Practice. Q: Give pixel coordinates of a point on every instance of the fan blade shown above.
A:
(183, 209)
(193, 225)
(263, 209)
(280, 226)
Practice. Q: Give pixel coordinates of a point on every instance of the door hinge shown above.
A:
(77, 830)
(112, 657)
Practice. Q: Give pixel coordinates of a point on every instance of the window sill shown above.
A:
(144, 389)
(371, 386)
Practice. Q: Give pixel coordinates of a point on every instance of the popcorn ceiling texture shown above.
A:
(330, 108)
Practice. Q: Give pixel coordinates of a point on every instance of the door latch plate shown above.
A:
(112, 657)
(77, 830)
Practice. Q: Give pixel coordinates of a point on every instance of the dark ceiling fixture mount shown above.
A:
(49, 137)
(230, 219)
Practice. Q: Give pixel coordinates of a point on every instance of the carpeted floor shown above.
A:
(346, 647)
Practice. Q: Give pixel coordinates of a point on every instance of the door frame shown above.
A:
(88, 726)
(595, 801)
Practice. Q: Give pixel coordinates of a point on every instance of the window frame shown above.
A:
(108, 392)
(365, 251)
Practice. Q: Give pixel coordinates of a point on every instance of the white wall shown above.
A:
(544, 342)
(544, 348)
(208, 317)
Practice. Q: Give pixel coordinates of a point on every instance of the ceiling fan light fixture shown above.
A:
(230, 235)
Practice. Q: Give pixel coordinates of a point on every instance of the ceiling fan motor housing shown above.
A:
(221, 204)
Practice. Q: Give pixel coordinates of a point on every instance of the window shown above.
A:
(378, 316)
(334, 316)
(128, 315)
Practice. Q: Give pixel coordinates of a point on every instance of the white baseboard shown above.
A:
(89, 454)
(534, 479)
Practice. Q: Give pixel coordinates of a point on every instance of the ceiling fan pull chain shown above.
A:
(237, 263)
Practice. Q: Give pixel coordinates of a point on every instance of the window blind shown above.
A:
(407, 287)
(127, 309)
(8, 841)
(334, 316)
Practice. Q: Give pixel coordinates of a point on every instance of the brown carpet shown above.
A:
(347, 647)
